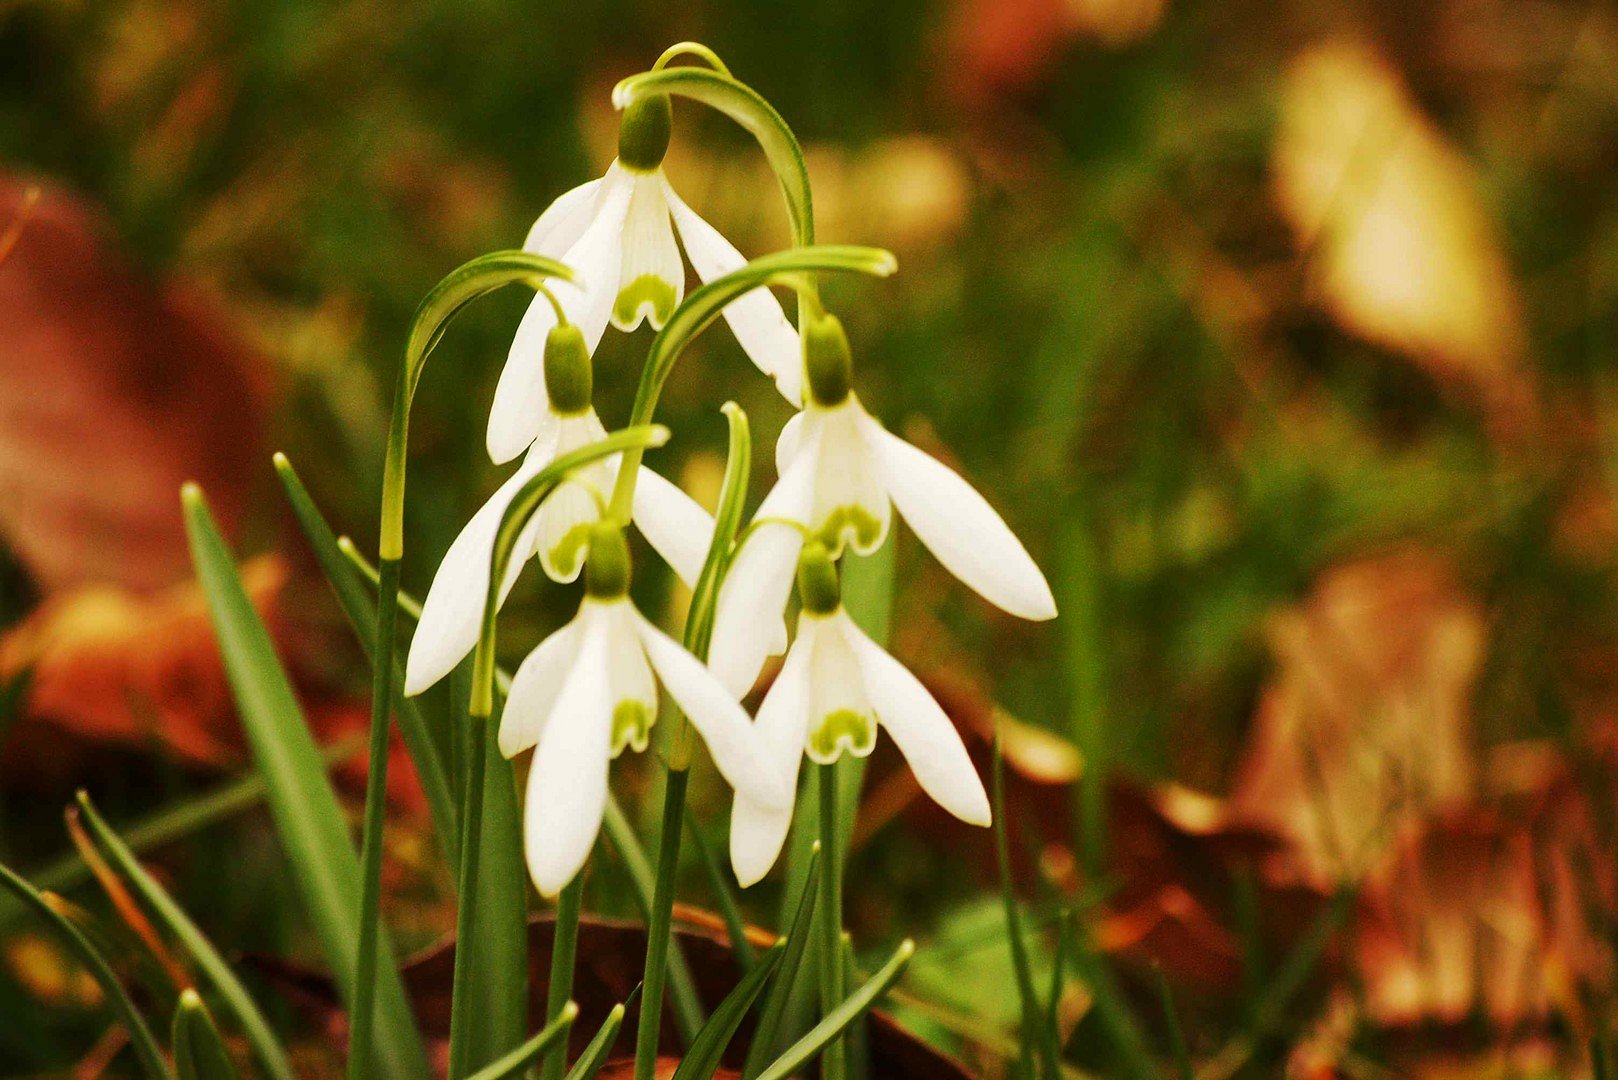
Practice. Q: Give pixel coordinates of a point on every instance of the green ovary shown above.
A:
(851, 520)
(843, 729)
(648, 290)
(631, 726)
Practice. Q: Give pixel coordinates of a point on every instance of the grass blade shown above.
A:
(724, 896)
(199, 1052)
(1171, 1020)
(853, 1007)
(529, 1052)
(799, 931)
(595, 1055)
(220, 977)
(1035, 1033)
(359, 607)
(308, 818)
(140, 1036)
(701, 1061)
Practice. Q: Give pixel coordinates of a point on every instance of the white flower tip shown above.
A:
(622, 94)
(504, 440)
(417, 675)
(977, 812)
(1041, 605)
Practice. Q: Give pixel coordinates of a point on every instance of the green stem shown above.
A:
(362, 1022)
(564, 950)
(460, 1042)
(660, 924)
(833, 1065)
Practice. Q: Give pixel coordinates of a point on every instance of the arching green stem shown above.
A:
(691, 48)
(463, 285)
(702, 307)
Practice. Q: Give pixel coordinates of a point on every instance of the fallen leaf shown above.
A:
(113, 392)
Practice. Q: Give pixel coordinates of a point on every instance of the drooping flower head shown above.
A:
(677, 528)
(841, 473)
(835, 689)
(618, 235)
(590, 690)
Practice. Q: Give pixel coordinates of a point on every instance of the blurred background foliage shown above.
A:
(1280, 332)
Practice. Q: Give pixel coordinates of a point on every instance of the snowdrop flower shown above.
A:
(840, 475)
(618, 235)
(835, 688)
(588, 691)
(677, 528)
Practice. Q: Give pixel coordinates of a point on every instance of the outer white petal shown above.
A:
(757, 831)
(649, 252)
(960, 527)
(673, 523)
(786, 447)
(448, 627)
(563, 221)
(520, 401)
(535, 687)
(721, 722)
(567, 784)
(921, 730)
(756, 318)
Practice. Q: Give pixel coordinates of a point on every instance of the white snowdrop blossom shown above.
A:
(835, 688)
(841, 473)
(590, 690)
(617, 233)
(672, 522)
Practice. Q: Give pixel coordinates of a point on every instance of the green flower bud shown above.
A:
(827, 361)
(606, 574)
(817, 580)
(643, 134)
(568, 375)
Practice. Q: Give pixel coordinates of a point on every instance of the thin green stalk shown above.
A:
(362, 1022)
(564, 950)
(660, 924)
(725, 897)
(460, 1044)
(554, 1034)
(835, 1022)
(833, 1063)
(1035, 1036)
(1171, 1020)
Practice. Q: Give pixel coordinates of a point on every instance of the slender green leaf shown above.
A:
(595, 1055)
(702, 1059)
(199, 1052)
(360, 609)
(724, 896)
(1112, 1008)
(529, 1052)
(1036, 1034)
(140, 1036)
(564, 957)
(799, 930)
(218, 973)
(308, 818)
(804, 1050)
(1171, 1021)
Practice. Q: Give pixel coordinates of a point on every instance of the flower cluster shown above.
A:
(589, 690)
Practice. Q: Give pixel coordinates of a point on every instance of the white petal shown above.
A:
(534, 689)
(748, 619)
(921, 730)
(960, 528)
(837, 694)
(569, 511)
(520, 401)
(563, 221)
(673, 523)
(567, 785)
(721, 722)
(757, 831)
(451, 615)
(851, 502)
(756, 318)
(652, 278)
(629, 674)
(786, 447)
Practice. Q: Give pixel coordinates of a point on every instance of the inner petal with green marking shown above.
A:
(842, 730)
(631, 726)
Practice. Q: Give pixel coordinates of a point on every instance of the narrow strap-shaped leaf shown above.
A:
(308, 818)
(140, 1036)
(359, 607)
(1036, 1036)
(729, 908)
(804, 1050)
(199, 1052)
(702, 1059)
(529, 1052)
(799, 931)
(595, 1055)
(1171, 1021)
(564, 957)
(218, 973)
